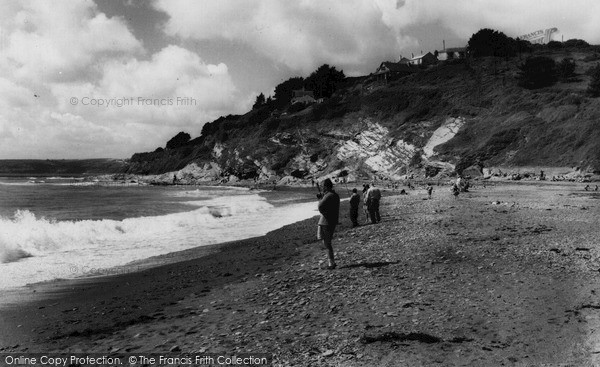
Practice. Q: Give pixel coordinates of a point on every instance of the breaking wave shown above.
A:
(26, 235)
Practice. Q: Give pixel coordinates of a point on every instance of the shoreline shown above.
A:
(501, 275)
(21, 308)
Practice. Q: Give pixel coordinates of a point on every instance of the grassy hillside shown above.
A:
(506, 124)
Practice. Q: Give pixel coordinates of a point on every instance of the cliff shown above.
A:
(438, 121)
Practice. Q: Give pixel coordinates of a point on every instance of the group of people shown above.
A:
(329, 207)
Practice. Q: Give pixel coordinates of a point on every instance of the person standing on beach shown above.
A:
(429, 190)
(455, 190)
(329, 207)
(366, 188)
(354, 204)
(373, 197)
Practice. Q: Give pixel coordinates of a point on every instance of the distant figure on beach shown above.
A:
(372, 198)
(329, 207)
(455, 190)
(587, 187)
(354, 203)
(596, 189)
(429, 190)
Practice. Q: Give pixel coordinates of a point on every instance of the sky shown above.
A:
(108, 78)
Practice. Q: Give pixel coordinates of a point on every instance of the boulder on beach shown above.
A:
(473, 171)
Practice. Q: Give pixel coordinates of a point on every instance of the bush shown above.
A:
(178, 140)
(537, 72)
(488, 42)
(553, 45)
(576, 43)
(566, 69)
(594, 87)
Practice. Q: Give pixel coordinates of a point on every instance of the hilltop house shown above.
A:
(452, 53)
(404, 60)
(303, 96)
(423, 60)
(390, 70)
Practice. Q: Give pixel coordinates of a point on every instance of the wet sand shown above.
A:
(504, 275)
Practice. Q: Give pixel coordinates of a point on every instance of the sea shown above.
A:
(67, 227)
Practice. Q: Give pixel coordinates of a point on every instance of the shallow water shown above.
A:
(59, 228)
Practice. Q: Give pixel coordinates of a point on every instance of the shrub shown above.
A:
(554, 45)
(178, 140)
(576, 43)
(488, 42)
(537, 72)
(594, 86)
(566, 69)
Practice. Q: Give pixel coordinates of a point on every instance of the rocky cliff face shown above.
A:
(433, 124)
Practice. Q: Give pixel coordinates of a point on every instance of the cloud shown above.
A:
(574, 18)
(299, 34)
(51, 41)
(357, 34)
(66, 70)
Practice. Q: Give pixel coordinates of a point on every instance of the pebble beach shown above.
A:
(507, 274)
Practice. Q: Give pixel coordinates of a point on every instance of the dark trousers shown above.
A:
(354, 216)
(374, 211)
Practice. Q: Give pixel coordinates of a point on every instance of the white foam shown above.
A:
(34, 249)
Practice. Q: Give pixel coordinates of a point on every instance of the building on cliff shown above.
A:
(303, 96)
(392, 70)
(423, 60)
(452, 53)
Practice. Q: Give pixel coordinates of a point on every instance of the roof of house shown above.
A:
(395, 67)
(421, 56)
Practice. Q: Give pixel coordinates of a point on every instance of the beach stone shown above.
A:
(328, 353)
(175, 349)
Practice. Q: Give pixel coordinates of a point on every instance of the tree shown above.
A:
(488, 42)
(554, 45)
(178, 140)
(260, 101)
(323, 81)
(594, 87)
(579, 43)
(537, 72)
(285, 91)
(566, 68)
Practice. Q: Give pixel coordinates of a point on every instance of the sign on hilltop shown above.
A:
(542, 36)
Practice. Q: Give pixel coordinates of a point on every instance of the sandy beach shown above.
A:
(504, 275)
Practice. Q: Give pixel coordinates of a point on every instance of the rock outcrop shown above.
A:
(434, 123)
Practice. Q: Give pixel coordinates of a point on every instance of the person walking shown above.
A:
(455, 190)
(429, 190)
(329, 207)
(373, 197)
(354, 204)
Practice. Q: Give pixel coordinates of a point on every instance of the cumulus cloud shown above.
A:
(300, 34)
(54, 40)
(357, 34)
(75, 83)
(574, 18)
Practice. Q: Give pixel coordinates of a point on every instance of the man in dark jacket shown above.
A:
(354, 204)
(329, 207)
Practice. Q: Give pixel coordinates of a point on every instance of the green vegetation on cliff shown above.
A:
(526, 108)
